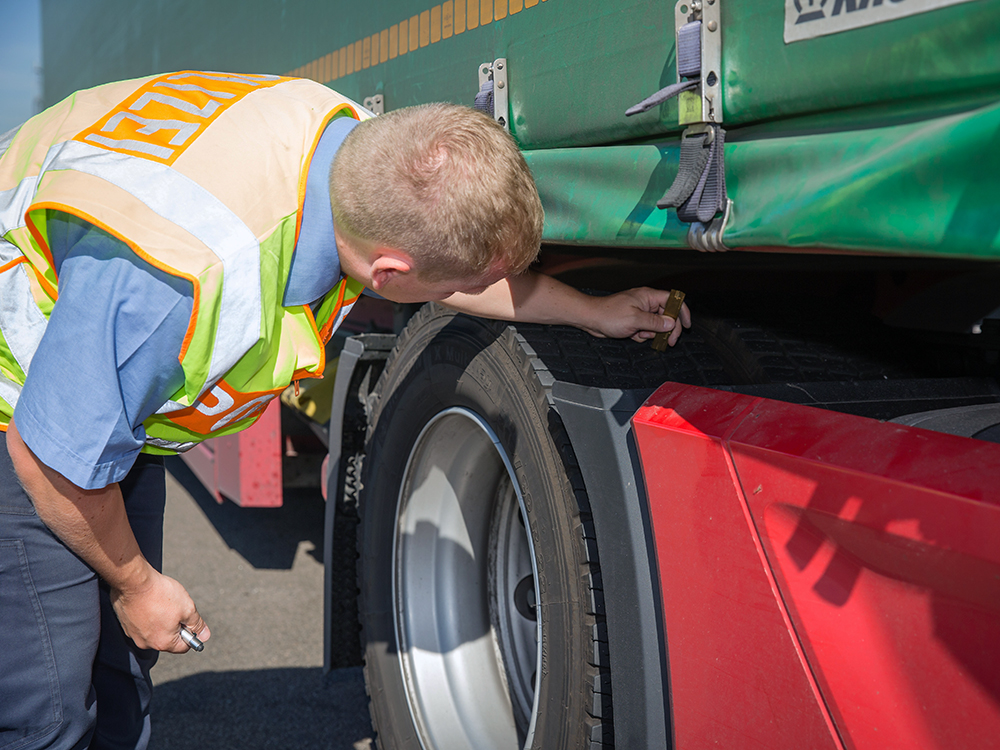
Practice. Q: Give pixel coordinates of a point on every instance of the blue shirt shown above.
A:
(109, 356)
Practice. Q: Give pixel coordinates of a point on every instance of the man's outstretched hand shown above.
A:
(636, 314)
(536, 298)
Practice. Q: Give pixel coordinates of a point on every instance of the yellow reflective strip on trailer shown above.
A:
(430, 26)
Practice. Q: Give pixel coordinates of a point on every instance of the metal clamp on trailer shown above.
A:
(494, 91)
(699, 189)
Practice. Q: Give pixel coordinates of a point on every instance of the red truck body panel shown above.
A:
(848, 566)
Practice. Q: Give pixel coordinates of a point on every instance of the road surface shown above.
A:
(256, 576)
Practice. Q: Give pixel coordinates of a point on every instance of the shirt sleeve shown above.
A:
(108, 358)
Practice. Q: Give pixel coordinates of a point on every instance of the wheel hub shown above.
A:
(464, 574)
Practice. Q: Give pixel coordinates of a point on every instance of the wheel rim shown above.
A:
(463, 589)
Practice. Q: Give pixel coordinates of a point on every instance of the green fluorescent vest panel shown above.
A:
(881, 138)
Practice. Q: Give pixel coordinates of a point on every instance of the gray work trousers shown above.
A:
(69, 677)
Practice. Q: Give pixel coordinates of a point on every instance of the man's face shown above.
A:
(394, 275)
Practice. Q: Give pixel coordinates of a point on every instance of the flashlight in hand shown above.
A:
(672, 310)
(191, 639)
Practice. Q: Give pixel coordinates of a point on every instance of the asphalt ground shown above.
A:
(256, 576)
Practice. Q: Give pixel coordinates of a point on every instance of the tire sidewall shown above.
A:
(458, 361)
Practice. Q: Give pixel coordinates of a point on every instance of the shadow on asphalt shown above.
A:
(265, 709)
(267, 538)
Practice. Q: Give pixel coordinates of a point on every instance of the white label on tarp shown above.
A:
(807, 19)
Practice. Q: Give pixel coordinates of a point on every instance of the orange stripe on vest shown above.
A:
(221, 406)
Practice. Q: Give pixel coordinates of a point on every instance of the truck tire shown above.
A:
(480, 590)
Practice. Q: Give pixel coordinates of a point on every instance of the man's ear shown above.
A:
(387, 264)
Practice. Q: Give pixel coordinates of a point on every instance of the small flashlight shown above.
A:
(191, 639)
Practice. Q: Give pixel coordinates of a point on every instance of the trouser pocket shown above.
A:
(30, 703)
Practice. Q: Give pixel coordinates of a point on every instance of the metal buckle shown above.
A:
(700, 128)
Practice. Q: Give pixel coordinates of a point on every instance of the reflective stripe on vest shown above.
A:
(183, 202)
(9, 392)
(22, 323)
(170, 445)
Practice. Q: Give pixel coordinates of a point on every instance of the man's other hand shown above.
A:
(151, 615)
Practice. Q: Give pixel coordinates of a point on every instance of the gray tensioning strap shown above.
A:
(715, 182)
(693, 160)
(661, 96)
(688, 66)
(709, 196)
(689, 50)
(484, 99)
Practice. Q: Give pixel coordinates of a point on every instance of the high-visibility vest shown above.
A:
(203, 175)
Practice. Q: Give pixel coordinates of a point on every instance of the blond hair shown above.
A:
(444, 183)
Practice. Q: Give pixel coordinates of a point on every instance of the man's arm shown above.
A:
(535, 298)
(107, 360)
(93, 523)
